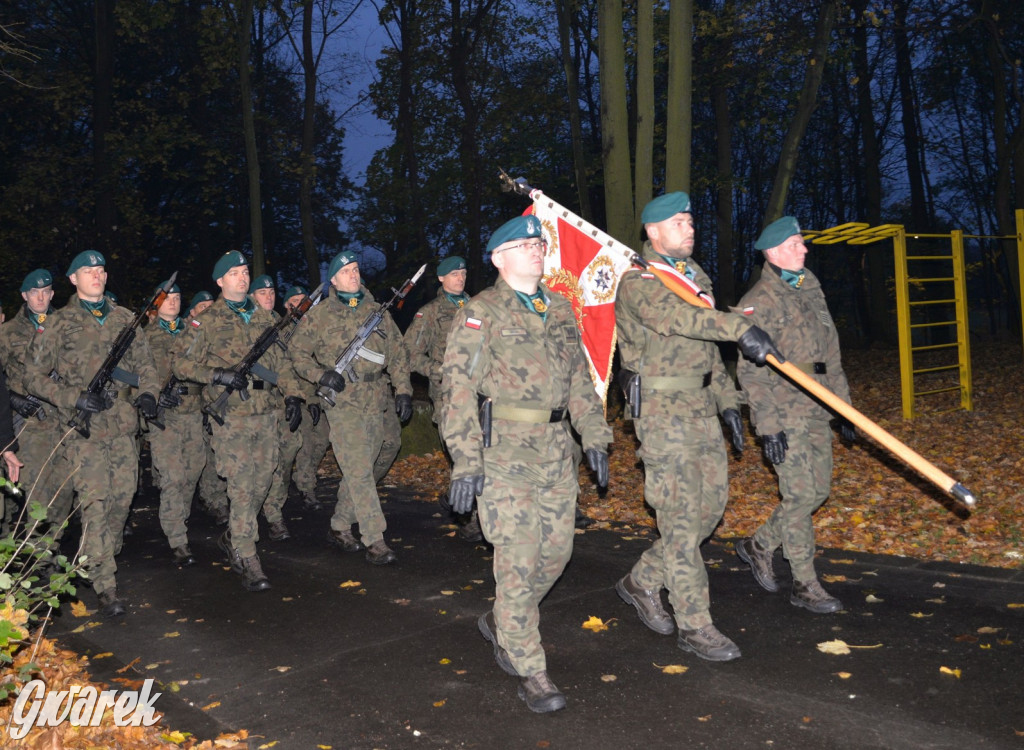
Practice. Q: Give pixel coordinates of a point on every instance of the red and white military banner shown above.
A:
(584, 265)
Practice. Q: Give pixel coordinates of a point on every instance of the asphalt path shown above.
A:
(343, 654)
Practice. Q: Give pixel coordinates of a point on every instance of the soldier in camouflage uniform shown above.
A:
(245, 446)
(787, 301)
(12, 465)
(178, 452)
(316, 434)
(426, 339)
(515, 348)
(669, 345)
(73, 343)
(38, 428)
(357, 419)
(213, 490)
(288, 441)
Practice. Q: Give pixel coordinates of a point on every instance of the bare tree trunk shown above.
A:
(307, 159)
(244, 31)
(575, 124)
(644, 158)
(679, 120)
(919, 214)
(805, 106)
(725, 292)
(102, 112)
(618, 187)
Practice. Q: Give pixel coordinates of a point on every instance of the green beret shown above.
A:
(199, 297)
(293, 290)
(665, 207)
(519, 228)
(261, 282)
(227, 261)
(449, 264)
(38, 279)
(776, 233)
(87, 259)
(341, 260)
(175, 289)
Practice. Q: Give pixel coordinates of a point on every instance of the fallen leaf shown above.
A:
(608, 678)
(172, 634)
(843, 675)
(350, 585)
(176, 737)
(966, 638)
(840, 647)
(704, 718)
(401, 602)
(938, 585)
(104, 655)
(279, 669)
(988, 630)
(153, 666)
(672, 668)
(78, 609)
(448, 592)
(807, 720)
(267, 745)
(921, 614)
(208, 706)
(872, 599)
(940, 600)
(1015, 605)
(946, 670)
(833, 578)
(438, 704)
(595, 623)
(445, 661)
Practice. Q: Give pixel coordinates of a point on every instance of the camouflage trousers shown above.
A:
(179, 458)
(527, 511)
(357, 437)
(389, 447)
(245, 451)
(289, 444)
(315, 441)
(686, 482)
(805, 478)
(46, 475)
(105, 476)
(213, 490)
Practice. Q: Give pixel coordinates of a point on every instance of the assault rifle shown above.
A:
(275, 334)
(343, 365)
(105, 375)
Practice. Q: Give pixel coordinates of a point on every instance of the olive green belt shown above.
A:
(675, 383)
(524, 414)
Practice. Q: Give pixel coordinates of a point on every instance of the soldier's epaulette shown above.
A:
(196, 323)
(474, 323)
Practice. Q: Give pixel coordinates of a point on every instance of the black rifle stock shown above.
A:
(343, 365)
(104, 376)
(271, 336)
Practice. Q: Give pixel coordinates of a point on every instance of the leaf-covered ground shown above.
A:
(877, 504)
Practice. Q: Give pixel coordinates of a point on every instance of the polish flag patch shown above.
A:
(748, 311)
(195, 323)
(473, 323)
(418, 315)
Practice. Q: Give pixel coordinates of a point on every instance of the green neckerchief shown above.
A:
(350, 299)
(100, 309)
(243, 309)
(174, 327)
(37, 320)
(794, 278)
(535, 303)
(680, 265)
(459, 300)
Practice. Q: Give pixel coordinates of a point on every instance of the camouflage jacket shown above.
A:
(74, 344)
(15, 336)
(325, 331)
(221, 338)
(166, 348)
(426, 339)
(801, 327)
(499, 349)
(662, 336)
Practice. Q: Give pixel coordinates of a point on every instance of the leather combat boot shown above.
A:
(813, 597)
(540, 693)
(309, 501)
(277, 531)
(379, 553)
(760, 561)
(110, 605)
(234, 559)
(708, 643)
(470, 530)
(252, 574)
(489, 631)
(648, 605)
(183, 556)
(346, 540)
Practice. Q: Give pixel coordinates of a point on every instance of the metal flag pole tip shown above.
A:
(963, 494)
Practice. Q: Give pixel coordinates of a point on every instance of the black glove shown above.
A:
(314, 413)
(774, 447)
(463, 492)
(293, 412)
(731, 417)
(23, 406)
(169, 400)
(755, 344)
(146, 404)
(847, 431)
(403, 406)
(94, 403)
(598, 463)
(229, 378)
(333, 380)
